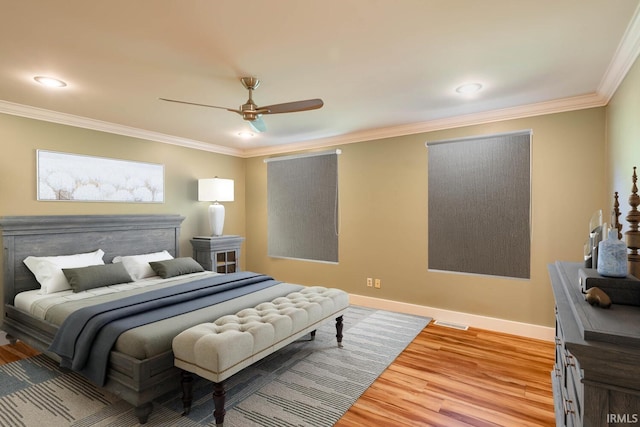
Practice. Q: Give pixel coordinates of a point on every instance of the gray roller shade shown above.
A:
(302, 207)
(479, 205)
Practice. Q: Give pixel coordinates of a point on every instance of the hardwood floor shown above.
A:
(447, 377)
(11, 353)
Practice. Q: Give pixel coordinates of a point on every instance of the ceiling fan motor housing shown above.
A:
(249, 111)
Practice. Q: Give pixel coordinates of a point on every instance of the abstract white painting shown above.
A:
(72, 177)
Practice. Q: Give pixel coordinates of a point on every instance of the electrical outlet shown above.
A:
(369, 282)
(378, 284)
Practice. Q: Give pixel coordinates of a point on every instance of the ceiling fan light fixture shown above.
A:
(246, 134)
(49, 81)
(469, 88)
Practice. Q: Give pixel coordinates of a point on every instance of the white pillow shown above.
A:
(48, 270)
(138, 265)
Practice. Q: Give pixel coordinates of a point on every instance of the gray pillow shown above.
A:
(175, 267)
(95, 276)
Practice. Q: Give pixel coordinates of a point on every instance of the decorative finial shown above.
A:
(633, 235)
(615, 220)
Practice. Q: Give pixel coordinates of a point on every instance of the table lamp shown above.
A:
(215, 190)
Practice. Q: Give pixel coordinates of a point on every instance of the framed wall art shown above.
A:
(74, 177)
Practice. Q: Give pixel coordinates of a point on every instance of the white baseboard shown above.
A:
(491, 323)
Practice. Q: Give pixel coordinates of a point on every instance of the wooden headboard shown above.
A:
(23, 236)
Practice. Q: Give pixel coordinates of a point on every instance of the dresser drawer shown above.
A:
(574, 391)
(559, 330)
(568, 374)
(559, 398)
(559, 366)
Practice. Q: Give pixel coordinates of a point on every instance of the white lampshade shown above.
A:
(215, 190)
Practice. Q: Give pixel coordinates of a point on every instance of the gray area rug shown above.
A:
(307, 383)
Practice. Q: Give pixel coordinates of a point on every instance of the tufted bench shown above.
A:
(217, 350)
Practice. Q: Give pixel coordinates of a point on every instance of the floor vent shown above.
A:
(451, 325)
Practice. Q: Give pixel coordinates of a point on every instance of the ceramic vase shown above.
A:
(612, 256)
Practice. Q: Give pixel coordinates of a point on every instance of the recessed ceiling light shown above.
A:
(246, 134)
(49, 81)
(469, 88)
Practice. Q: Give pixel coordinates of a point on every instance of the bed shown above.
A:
(140, 364)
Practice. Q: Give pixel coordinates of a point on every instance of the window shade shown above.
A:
(302, 207)
(479, 205)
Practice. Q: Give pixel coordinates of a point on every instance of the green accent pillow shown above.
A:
(175, 267)
(95, 276)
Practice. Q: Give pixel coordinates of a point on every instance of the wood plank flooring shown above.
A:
(12, 353)
(448, 377)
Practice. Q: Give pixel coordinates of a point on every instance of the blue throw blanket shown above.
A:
(86, 337)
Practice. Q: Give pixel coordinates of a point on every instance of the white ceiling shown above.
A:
(382, 67)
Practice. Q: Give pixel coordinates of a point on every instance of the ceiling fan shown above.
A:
(252, 113)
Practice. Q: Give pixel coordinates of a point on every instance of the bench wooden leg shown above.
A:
(219, 395)
(339, 326)
(187, 391)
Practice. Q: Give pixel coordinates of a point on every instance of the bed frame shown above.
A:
(135, 381)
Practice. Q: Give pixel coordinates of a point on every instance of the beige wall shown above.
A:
(21, 137)
(623, 140)
(383, 211)
(381, 182)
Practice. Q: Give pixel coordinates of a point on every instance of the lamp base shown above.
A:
(216, 219)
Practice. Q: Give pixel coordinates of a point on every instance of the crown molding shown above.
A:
(623, 59)
(99, 125)
(541, 108)
(548, 107)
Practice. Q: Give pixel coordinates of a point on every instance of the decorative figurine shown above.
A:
(596, 296)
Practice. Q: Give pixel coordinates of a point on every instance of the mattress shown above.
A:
(149, 340)
(62, 303)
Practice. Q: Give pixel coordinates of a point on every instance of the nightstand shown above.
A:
(220, 254)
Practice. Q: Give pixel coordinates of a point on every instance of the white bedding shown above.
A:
(37, 304)
(152, 339)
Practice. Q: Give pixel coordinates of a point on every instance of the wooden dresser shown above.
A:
(596, 377)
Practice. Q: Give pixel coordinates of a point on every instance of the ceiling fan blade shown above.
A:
(291, 107)
(258, 125)
(201, 105)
